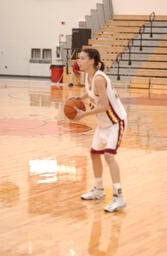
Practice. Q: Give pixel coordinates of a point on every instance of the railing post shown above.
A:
(129, 47)
(119, 57)
(141, 46)
(118, 75)
(151, 32)
(151, 19)
(141, 31)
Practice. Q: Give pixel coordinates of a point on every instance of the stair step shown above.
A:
(139, 17)
(145, 66)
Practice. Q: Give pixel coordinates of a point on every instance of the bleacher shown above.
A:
(127, 39)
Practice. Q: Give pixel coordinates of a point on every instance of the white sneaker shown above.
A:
(116, 203)
(93, 194)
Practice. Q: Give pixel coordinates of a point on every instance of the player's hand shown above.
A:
(80, 114)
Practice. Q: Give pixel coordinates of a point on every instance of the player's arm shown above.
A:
(84, 96)
(100, 90)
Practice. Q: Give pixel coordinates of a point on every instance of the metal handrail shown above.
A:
(151, 19)
(152, 16)
(69, 57)
(141, 31)
(118, 59)
(130, 44)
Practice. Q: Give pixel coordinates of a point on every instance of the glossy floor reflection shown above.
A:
(45, 166)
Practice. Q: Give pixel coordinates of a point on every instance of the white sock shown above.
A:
(98, 183)
(117, 190)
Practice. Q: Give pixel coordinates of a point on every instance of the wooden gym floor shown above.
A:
(45, 166)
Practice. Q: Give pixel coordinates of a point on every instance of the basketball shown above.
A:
(69, 109)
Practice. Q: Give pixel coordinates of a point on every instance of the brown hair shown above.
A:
(94, 54)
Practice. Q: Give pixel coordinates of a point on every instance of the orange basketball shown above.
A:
(69, 109)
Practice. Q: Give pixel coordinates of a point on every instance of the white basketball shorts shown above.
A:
(108, 140)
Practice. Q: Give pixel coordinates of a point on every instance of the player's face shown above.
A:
(85, 62)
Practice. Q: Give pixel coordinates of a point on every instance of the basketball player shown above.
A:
(111, 124)
(77, 76)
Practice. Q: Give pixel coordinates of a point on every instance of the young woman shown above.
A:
(77, 76)
(111, 123)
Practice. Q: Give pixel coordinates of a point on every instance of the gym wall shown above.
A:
(26, 24)
(137, 7)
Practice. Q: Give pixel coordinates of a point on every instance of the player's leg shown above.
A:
(114, 140)
(71, 79)
(82, 79)
(77, 79)
(117, 201)
(97, 192)
(113, 167)
(97, 165)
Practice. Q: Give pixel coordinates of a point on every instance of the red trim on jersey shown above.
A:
(120, 133)
(115, 118)
(113, 122)
(114, 112)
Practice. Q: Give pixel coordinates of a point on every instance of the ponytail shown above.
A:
(102, 67)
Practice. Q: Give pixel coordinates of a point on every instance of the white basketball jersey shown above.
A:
(116, 110)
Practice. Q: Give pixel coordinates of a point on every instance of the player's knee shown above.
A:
(108, 157)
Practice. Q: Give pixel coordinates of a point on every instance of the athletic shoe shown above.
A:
(116, 203)
(93, 194)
